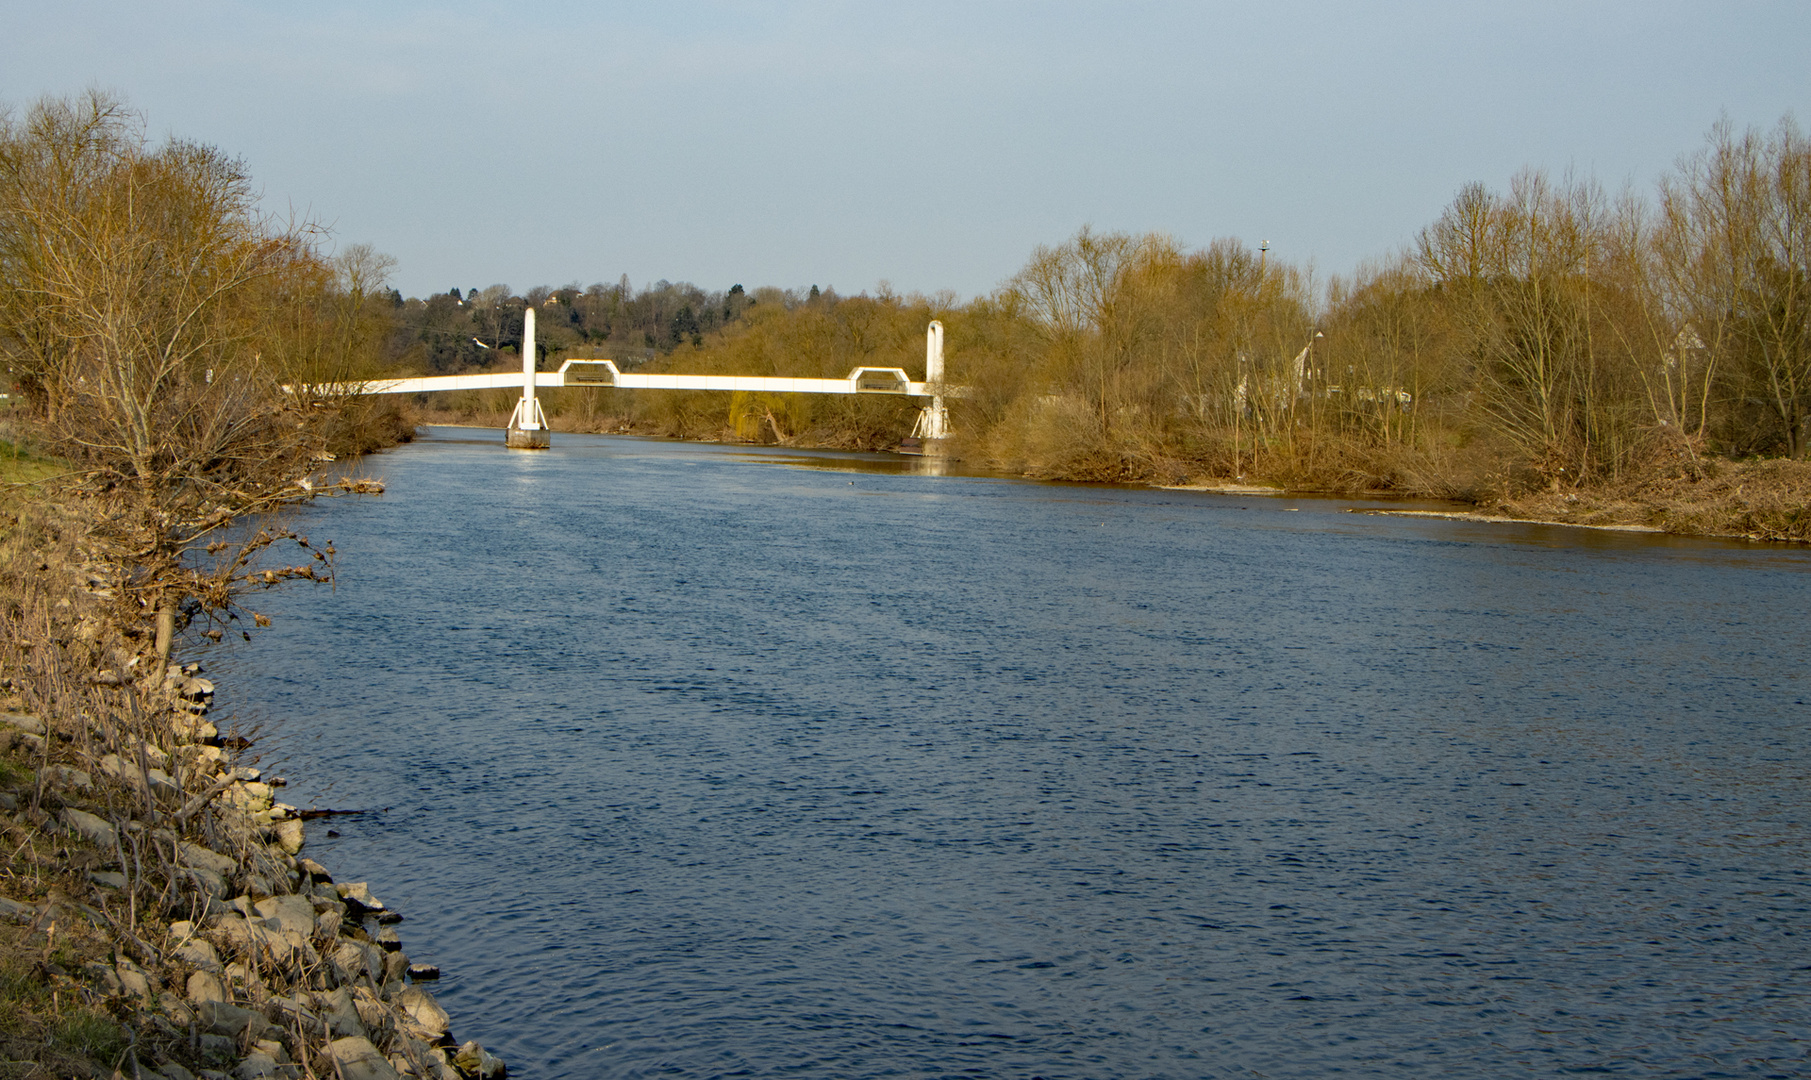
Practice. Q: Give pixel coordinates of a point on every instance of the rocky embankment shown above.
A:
(156, 903)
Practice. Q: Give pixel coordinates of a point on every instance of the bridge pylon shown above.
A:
(528, 424)
(930, 435)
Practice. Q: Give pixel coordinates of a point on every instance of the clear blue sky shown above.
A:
(929, 145)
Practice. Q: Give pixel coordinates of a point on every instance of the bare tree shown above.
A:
(142, 299)
(1517, 270)
(1734, 251)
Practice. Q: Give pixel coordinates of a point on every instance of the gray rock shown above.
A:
(162, 784)
(204, 988)
(172, 1071)
(108, 879)
(300, 947)
(93, 828)
(421, 1007)
(423, 972)
(198, 953)
(374, 1014)
(257, 1066)
(327, 924)
(348, 960)
(357, 1059)
(440, 1066)
(31, 725)
(193, 729)
(13, 909)
(289, 1014)
(475, 1060)
(267, 934)
(233, 928)
(314, 870)
(274, 1049)
(206, 859)
(207, 881)
(127, 772)
(289, 835)
(19, 740)
(290, 912)
(337, 1009)
(64, 776)
(134, 981)
(222, 1018)
(105, 976)
(358, 897)
(179, 1012)
(374, 959)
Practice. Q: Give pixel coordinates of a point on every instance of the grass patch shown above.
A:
(88, 1033)
(52, 1023)
(20, 464)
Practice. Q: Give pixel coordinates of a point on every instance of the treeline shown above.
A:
(1550, 334)
(455, 331)
(1546, 336)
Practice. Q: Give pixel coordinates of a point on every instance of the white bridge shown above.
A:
(528, 424)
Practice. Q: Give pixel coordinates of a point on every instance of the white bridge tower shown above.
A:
(933, 426)
(528, 424)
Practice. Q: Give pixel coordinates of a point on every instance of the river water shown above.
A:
(689, 761)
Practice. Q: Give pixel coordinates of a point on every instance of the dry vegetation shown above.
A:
(151, 321)
(1549, 346)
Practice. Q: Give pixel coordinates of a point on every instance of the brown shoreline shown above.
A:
(1473, 515)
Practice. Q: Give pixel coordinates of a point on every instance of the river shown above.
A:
(696, 761)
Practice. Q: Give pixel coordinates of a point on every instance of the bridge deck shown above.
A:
(603, 373)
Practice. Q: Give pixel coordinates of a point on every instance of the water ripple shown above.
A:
(689, 763)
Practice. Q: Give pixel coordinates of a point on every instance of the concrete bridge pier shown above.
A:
(932, 430)
(528, 424)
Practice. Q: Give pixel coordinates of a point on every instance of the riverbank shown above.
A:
(1752, 500)
(157, 917)
(1759, 499)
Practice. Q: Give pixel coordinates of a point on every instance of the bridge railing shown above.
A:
(604, 373)
(932, 426)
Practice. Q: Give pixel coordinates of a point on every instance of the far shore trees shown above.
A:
(1547, 336)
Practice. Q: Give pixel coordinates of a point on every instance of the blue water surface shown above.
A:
(692, 761)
